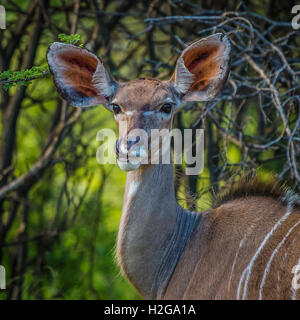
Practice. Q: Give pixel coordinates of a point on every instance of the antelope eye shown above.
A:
(166, 108)
(116, 109)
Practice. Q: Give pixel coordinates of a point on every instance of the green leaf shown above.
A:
(70, 39)
(9, 78)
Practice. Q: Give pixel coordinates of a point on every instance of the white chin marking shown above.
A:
(128, 166)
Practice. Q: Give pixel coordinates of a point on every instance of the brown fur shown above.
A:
(251, 185)
(229, 236)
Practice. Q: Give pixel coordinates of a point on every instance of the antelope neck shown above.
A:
(153, 230)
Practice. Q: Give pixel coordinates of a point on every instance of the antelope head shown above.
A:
(146, 104)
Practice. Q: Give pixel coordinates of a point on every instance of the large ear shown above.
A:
(79, 75)
(202, 68)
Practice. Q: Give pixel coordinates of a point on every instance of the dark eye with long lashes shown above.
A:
(166, 108)
(116, 109)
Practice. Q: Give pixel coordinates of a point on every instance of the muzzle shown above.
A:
(129, 153)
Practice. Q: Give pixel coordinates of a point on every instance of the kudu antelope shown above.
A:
(245, 247)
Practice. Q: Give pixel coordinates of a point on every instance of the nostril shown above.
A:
(131, 141)
(117, 147)
(123, 145)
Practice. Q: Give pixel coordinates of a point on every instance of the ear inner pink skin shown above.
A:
(202, 68)
(202, 65)
(74, 70)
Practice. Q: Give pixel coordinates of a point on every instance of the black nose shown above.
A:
(131, 141)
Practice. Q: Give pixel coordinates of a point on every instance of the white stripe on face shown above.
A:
(148, 113)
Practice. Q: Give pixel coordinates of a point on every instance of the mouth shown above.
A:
(128, 166)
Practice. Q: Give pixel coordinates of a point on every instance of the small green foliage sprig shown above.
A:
(70, 39)
(10, 78)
